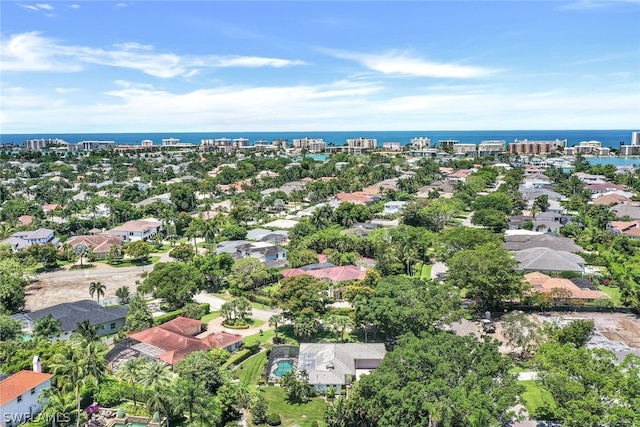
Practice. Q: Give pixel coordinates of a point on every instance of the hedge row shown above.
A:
(163, 318)
(238, 358)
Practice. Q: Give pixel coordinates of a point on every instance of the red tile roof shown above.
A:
(335, 274)
(20, 383)
(181, 325)
(177, 344)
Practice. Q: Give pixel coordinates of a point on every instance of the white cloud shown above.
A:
(403, 64)
(65, 90)
(74, 6)
(254, 62)
(34, 52)
(340, 105)
(38, 7)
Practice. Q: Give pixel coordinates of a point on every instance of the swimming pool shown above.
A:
(282, 367)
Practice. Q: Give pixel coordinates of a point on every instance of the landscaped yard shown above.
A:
(535, 397)
(613, 293)
(250, 370)
(209, 317)
(302, 414)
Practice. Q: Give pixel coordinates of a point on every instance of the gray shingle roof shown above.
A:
(519, 242)
(545, 259)
(71, 313)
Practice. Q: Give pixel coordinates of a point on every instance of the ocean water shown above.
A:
(609, 138)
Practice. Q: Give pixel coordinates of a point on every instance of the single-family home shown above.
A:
(143, 229)
(548, 260)
(20, 395)
(517, 241)
(107, 320)
(24, 239)
(171, 342)
(628, 228)
(261, 250)
(394, 207)
(100, 244)
(336, 365)
(552, 285)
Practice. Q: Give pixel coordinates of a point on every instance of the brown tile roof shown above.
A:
(25, 219)
(358, 198)
(100, 243)
(20, 383)
(137, 225)
(610, 199)
(542, 283)
(630, 228)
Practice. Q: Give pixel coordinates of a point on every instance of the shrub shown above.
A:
(167, 317)
(112, 393)
(237, 358)
(274, 419)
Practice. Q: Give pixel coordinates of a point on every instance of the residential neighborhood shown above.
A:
(229, 285)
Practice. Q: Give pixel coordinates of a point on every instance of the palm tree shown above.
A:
(123, 293)
(340, 323)
(74, 373)
(191, 397)
(275, 320)
(156, 374)
(131, 371)
(98, 289)
(81, 251)
(57, 404)
(195, 230)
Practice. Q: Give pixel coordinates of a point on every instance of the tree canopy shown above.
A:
(432, 380)
(487, 272)
(401, 304)
(175, 282)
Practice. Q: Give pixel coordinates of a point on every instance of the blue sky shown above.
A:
(169, 66)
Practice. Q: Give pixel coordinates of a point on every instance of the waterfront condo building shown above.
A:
(392, 146)
(357, 145)
(524, 146)
(312, 145)
(420, 143)
(490, 148)
(634, 148)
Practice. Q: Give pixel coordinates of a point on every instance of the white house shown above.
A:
(23, 239)
(336, 365)
(395, 207)
(19, 395)
(135, 230)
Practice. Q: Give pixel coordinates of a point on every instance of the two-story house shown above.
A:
(24, 239)
(136, 230)
(19, 395)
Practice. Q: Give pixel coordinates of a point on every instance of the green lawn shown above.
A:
(134, 263)
(250, 370)
(535, 396)
(302, 414)
(209, 317)
(426, 272)
(613, 293)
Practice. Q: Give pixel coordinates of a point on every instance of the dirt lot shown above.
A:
(617, 332)
(65, 286)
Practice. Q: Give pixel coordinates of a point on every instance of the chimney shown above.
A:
(37, 366)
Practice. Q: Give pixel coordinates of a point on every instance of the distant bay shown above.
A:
(608, 138)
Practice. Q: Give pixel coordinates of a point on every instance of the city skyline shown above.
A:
(295, 66)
